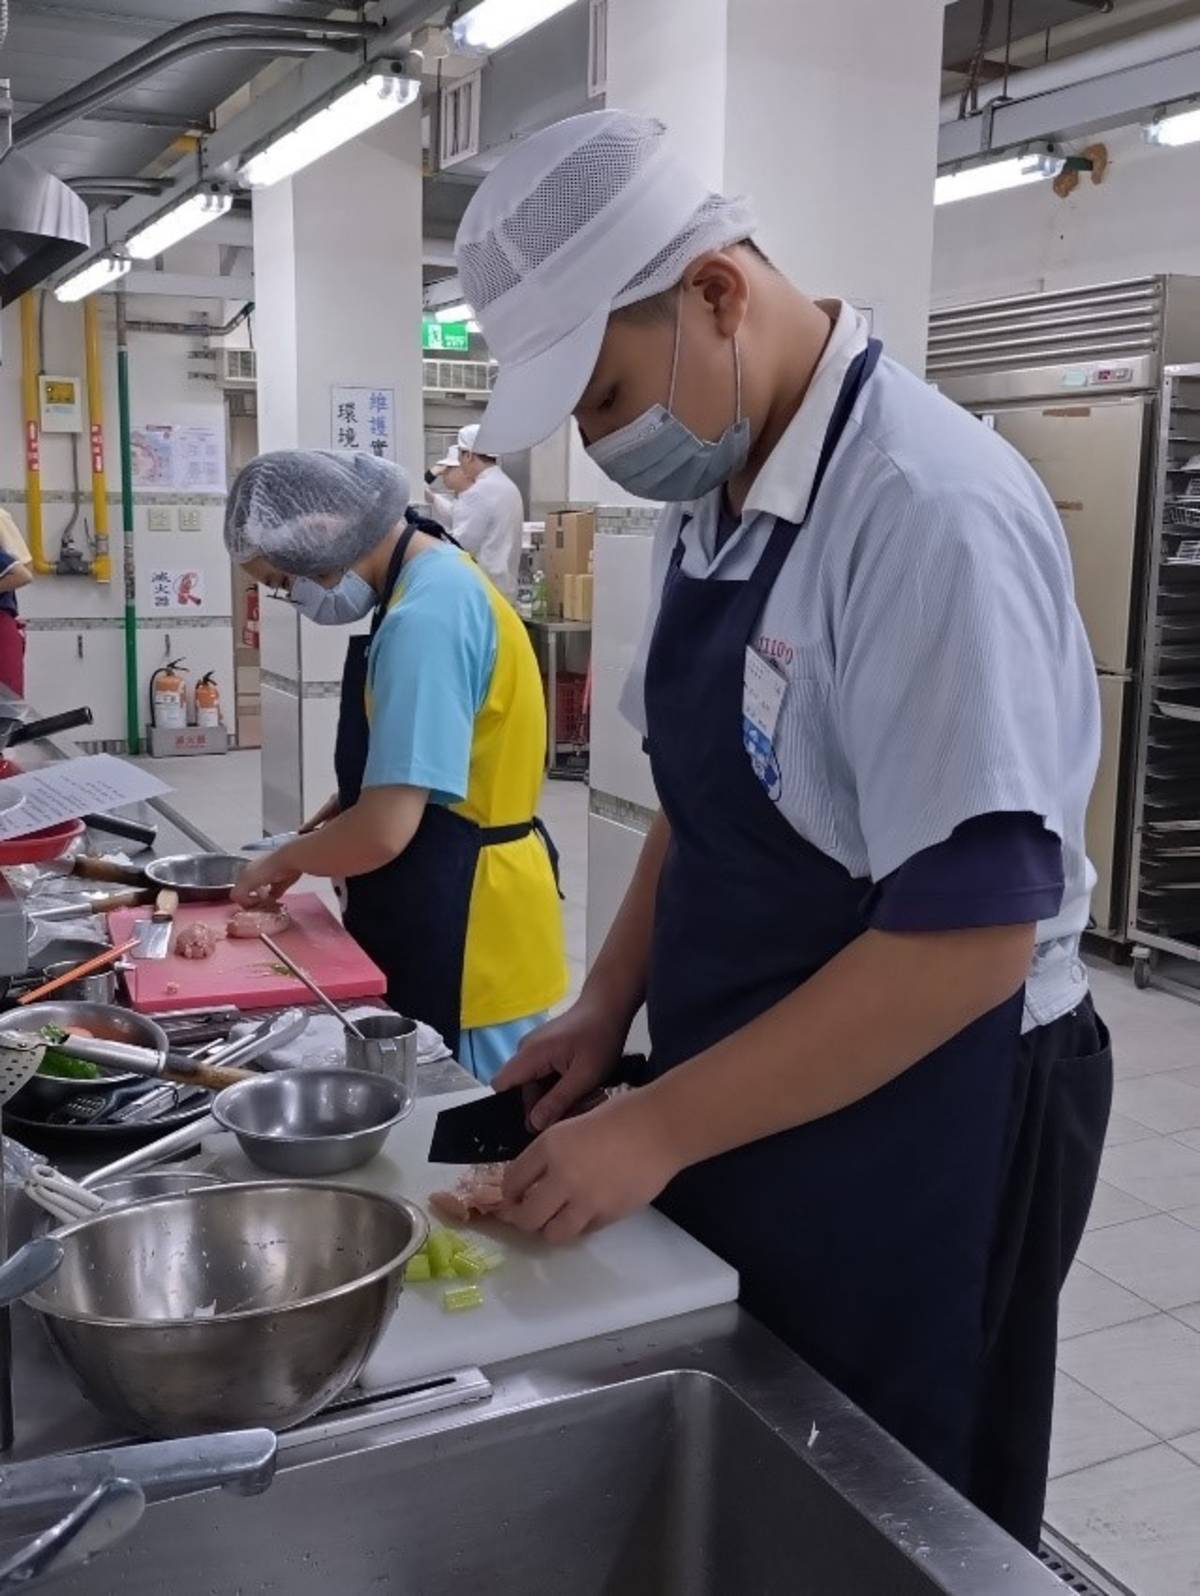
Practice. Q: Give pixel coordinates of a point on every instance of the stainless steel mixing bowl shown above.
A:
(248, 1304)
(197, 877)
(312, 1122)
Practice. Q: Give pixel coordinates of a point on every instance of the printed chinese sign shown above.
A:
(364, 418)
(176, 589)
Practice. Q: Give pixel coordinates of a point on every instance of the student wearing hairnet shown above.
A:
(878, 1084)
(450, 878)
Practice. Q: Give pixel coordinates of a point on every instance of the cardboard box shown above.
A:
(568, 552)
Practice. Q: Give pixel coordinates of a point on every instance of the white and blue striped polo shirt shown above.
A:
(936, 665)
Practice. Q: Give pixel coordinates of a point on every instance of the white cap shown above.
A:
(586, 216)
(467, 436)
(450, 458)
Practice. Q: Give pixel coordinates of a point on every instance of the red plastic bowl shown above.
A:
(39, 846)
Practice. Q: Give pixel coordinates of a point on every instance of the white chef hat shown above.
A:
(585, 216)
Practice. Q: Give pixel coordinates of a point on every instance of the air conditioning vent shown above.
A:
(239, 368)
(459, 119)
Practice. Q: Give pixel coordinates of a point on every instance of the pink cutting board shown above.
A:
(240, 971)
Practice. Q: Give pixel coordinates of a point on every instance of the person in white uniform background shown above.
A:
(486, 515)
(878, 1084)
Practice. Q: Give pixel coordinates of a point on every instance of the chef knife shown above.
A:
(494, 1130)
(154, 934)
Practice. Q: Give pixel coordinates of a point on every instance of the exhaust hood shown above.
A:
(43, 225)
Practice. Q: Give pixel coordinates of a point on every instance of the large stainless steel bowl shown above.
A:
(42, 1094)
(229, 1306)
(312, 1122)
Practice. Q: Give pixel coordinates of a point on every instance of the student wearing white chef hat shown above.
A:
(878, 1084)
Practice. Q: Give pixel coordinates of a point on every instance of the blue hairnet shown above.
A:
(312, 511)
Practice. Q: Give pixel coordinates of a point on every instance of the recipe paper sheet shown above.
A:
(92, 784)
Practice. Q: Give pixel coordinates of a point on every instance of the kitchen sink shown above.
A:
(664, 1485)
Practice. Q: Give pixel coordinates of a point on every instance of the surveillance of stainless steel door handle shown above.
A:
(104, 1517)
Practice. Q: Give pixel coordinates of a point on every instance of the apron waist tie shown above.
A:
(493, 836)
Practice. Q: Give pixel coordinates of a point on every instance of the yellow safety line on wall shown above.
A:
(101, 562)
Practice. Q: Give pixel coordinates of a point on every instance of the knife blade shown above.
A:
(494, 1129)
(154, 934)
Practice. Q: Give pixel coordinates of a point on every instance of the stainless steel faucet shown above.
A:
(105, 1493)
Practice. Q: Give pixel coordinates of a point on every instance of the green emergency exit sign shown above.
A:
(445, 335)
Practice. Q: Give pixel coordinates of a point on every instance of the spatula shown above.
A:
(154, 933)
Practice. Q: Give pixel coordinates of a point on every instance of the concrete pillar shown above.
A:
(337, 255)
(825, 115)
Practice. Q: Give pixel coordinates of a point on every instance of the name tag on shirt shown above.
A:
(763, 687)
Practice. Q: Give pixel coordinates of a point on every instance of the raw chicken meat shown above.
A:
(196, 941)
(250, 923)
(479, 1192)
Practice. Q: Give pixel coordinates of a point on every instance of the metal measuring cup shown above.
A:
(388, 1046)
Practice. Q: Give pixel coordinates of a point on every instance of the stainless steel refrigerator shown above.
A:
(1079, 381)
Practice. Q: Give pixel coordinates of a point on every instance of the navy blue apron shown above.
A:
(411, 915)
(866, 1240)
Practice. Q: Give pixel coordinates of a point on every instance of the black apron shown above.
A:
(411, 915)
(894, 1244)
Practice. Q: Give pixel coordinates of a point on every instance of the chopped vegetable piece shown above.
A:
(63, 1067)
(468, 1265)
(441, 1254)
(459, 1243)
(418, 1267)
(457, 1299)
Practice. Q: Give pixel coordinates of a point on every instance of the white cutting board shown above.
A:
(642, 1269)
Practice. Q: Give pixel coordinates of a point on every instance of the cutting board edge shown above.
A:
(721, 1293)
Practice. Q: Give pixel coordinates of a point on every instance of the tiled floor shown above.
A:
(1125, 1463)
(1125, 1486)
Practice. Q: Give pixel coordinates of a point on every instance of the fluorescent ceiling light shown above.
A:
(495, 23)
(1012, 172)
(1180, 127)
(355, 110)
(95, 275)
(176, 222)
(459, 312)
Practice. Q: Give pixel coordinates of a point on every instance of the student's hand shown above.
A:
(329, 810)
(565, 1061)
(264, 879)
(590, 1171)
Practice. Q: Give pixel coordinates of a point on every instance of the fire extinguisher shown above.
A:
(208, 701)
(168, 696)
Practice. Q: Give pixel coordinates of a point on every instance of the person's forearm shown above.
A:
(441, 508)
(882, 1004)
(17, 576)
(619, 974)
(363, 838)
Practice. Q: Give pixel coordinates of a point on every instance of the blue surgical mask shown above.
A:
(349, 599)
(657, 457)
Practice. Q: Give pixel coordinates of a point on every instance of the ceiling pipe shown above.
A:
(1116, 56)
(223, 31)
